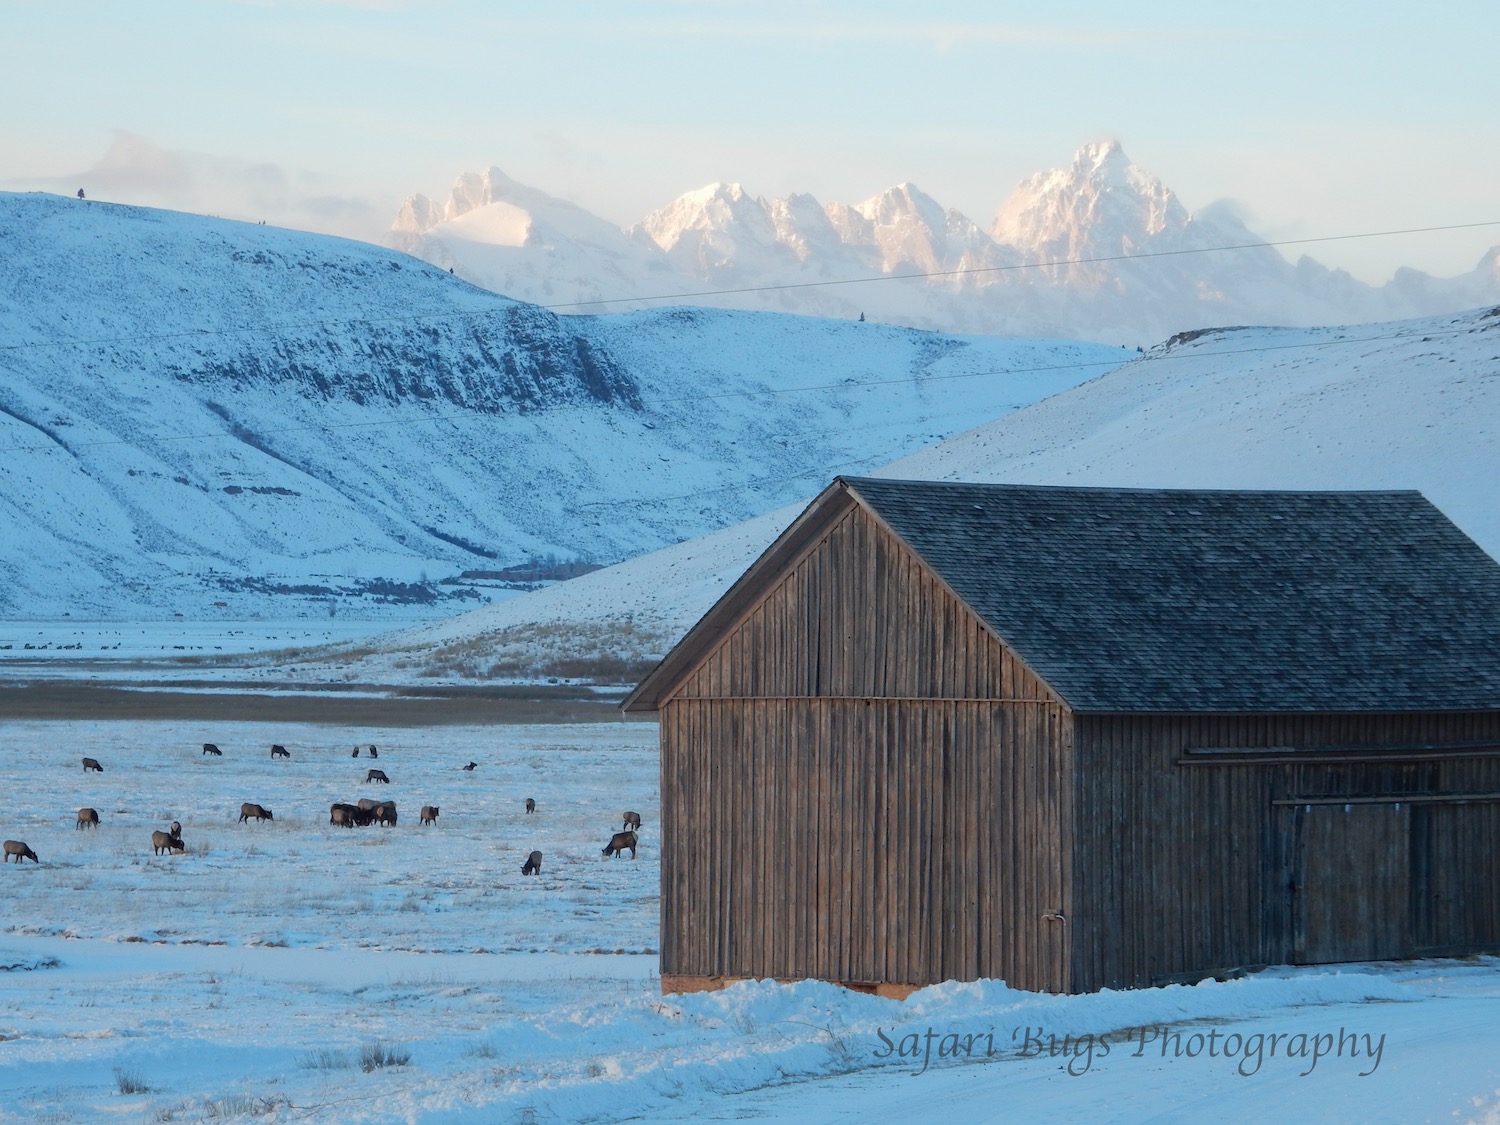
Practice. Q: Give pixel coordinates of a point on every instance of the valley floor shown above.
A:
(292, 971)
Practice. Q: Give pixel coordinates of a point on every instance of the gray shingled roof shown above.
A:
(1216, 601)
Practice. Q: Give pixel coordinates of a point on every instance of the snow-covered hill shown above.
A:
(780, 253)
(196, 412)
(1403, 405)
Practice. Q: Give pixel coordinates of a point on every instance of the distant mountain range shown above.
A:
(1093, 217)
(225, 419)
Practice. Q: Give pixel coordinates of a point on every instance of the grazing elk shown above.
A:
(356, 753)
(92, 764)
(210, 748)
(530, 806)
(19, 849)
(470, 766)
(87, 818)
(176, 828)
(633, 821)
(166, 842)
(279, 751)
(429, 814)
(249, 809)
(533, 864)
(619, 842)
(374, 753)
(385, 813)
(376, 775)
(343, 815)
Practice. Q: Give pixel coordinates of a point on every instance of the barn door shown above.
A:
(1353, 897)
(1457, 876)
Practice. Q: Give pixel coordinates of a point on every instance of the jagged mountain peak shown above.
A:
(1102, 203)
(1093, 212)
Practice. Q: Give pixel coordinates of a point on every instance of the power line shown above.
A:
(969, 270)
(290, 326)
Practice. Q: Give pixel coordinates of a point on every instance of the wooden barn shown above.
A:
(1080, 738)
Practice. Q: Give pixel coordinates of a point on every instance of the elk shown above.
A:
(249, 809)
(279, 751)
(533, 864)
(385, 813)
(374, 753)
(633, 820)
(87, 818)
(356, 753)
(343, 815)
(92, 764)
(210, 748)
(166, 842)
(176, 828)
(376, 775)
(19, 849)
(619, 842)
(429, 814)
(530, 806)
(470, 766)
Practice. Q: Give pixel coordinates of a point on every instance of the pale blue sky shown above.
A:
(1317, 118)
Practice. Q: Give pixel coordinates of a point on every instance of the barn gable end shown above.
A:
(860, 784)
(860, 616)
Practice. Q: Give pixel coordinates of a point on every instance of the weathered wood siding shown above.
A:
(1190, 864)
(860, 616)
(860, 784)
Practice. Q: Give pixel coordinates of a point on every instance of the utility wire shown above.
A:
(430, 316)
(1023, 265)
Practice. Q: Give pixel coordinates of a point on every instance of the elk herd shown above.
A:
(362, 813)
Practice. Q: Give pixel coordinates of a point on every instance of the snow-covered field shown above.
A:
(50, 641)
(290, 971)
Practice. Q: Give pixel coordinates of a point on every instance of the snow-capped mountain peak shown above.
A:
(1096, 212)
(1101, 204)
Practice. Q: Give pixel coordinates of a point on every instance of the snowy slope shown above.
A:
(1405, 405)
(194, 411)
(782, 253)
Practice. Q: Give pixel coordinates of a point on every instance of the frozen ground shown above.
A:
(264, 974)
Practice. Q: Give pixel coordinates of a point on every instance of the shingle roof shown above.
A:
(1216, 601)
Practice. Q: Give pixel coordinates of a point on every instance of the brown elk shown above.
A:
(374, 753)
(533, 864)
(92, 764)
(279, 751)
(19, 849)
(166, 842)
(376, 775)
(385, 813)
(343, 815)
(619, 842)
(210, 748)
(356, 753)
(530, 806)
(87, 818)
(249, 809)
(633, 821)
(471, 766)
(429, 814)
